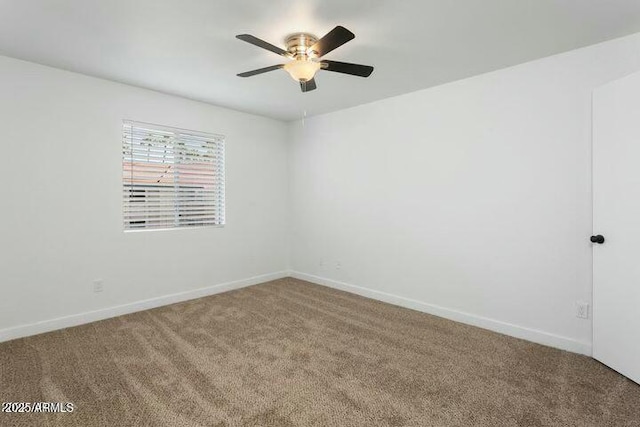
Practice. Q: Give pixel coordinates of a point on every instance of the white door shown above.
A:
(616, 193)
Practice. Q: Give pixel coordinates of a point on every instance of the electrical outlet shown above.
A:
(582, 310)
(338, 265)
(98, 285)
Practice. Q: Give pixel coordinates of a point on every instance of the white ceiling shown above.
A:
(188, 48)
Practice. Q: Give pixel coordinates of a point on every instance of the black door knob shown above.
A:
(599, 239)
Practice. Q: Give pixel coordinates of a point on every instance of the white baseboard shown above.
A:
(106, 313)
(528, 334)
(537, 336)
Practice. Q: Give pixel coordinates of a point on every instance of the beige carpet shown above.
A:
(289, 353)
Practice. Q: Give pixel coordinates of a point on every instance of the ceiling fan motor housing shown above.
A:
(298, 45)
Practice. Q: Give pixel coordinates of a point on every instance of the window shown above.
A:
(171, 177)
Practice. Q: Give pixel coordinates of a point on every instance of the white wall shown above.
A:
(470, 200)
(61, 217)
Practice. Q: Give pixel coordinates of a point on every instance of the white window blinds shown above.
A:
(171, 177)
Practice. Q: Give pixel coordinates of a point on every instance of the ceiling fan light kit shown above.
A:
(304, 66)
(305, 52)
(302, 70)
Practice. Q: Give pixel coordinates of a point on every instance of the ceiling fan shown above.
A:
(305, 52)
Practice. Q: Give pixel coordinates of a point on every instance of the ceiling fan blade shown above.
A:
(260, 70)
(308, 86)
(263, 44)
(332, 40)
(348, 68)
